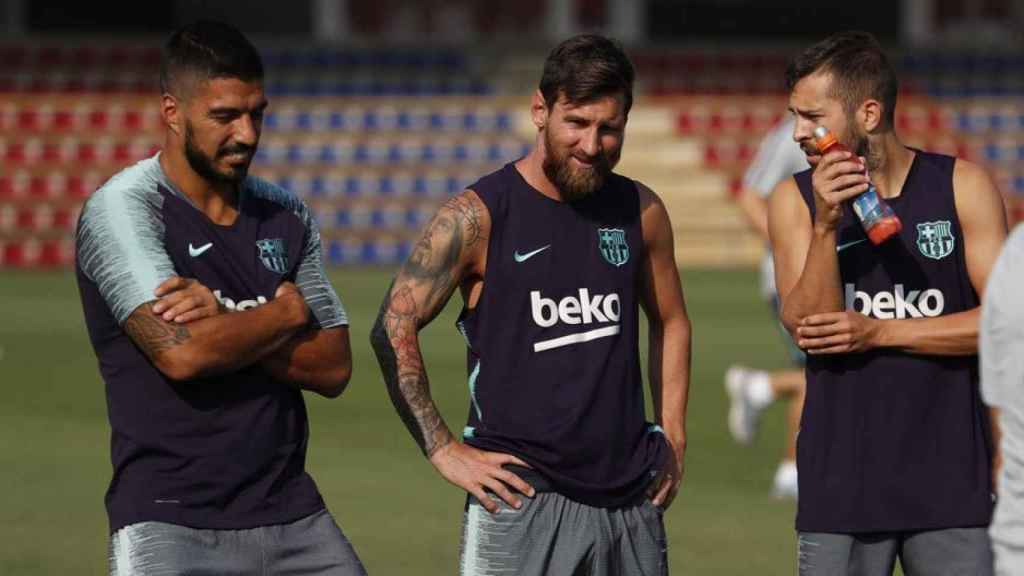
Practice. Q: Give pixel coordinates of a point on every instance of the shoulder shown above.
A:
(277, 199)
(654, 218)
(649, 199)
(975, 192)
(788, 189)
(788, 208)
(469, 211)
(133, 187)
(261, 189)
(492, 185)
(1006, 273)
(969, 175)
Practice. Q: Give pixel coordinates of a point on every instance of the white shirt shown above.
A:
(1002, 385)
(778, 157)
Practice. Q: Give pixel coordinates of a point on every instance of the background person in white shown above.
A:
(1002, 381)
(751, 390)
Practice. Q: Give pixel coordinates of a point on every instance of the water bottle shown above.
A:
(874, 213)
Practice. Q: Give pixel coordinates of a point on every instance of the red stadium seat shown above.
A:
(99, 119)
(25, 219)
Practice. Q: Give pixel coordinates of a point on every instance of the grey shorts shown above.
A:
(551, 534)
(308, 546)
(950, 552)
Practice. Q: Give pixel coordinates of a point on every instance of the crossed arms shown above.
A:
(187, 335)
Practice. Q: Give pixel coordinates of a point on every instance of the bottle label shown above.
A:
(869, 209)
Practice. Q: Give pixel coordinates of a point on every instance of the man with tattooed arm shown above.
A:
(554, 255)
(209, 311)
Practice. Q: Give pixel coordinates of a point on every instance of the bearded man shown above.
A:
(554, 255)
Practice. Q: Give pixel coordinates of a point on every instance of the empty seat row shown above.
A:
(415, 118)
(36, 151)
(47, 117)
(38, 217)
(51, 184)
(411, 218)
(379, 251)
(59, 183)
(424, 85)
(388, 152)
(334, 185)
(305, 115)
(46, 217)
(37, 253)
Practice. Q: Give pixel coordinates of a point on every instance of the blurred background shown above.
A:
(380, 109)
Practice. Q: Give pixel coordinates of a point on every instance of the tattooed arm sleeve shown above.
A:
(421, 289)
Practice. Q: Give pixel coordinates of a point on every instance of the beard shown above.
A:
(857, 141)
(206, 167)
(574, 184)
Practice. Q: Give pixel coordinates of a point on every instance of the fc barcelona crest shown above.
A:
(935, 239)
(273, 254)
(612, 242)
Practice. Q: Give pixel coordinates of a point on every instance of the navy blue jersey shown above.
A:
(891, 441)
(553, 361)
(226, 452)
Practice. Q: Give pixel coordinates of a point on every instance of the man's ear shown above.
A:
(870, 115)
(538, 110)
(171, 112)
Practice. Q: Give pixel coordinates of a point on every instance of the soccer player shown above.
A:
(894, 447)
(1002, 374)
(750, 391)
(209, 310)
(553, 254)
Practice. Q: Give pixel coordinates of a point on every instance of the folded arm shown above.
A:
(217, 344)
(806, 267)
(316, 360)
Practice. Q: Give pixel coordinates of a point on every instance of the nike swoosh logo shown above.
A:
(524, 257)
(842, 247)
(195, 252)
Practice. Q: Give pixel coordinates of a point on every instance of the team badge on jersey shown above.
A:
(612, 242)
(935, 239)
(273, 254)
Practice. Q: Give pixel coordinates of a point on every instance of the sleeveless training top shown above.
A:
(554, 372)
(891, 441)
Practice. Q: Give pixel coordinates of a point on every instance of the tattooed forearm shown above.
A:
(419, 292)
(154, 335)
(395, 343)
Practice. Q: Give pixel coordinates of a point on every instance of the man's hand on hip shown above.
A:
(665, 486)
(476, 471)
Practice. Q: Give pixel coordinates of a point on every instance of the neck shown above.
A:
(888, 163)
(218, 200)
(532, 169)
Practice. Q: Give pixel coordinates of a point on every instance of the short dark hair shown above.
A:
(207, 49)
(586, 67)
(859, 68)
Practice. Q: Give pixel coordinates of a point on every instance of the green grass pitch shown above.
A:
(400, 515)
